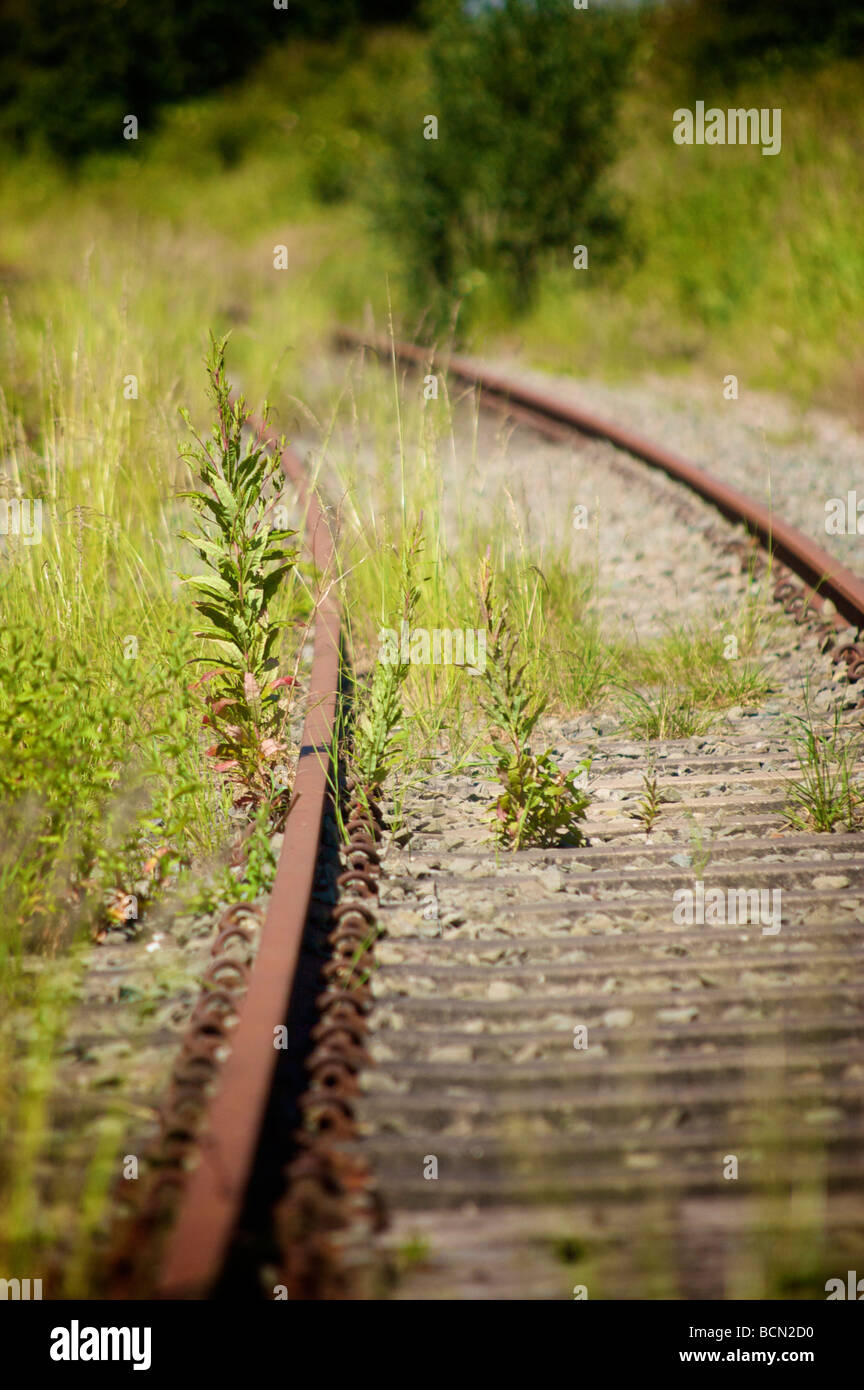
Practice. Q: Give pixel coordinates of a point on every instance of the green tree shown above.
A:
(525, 94)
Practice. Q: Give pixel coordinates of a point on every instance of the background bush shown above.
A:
(526, 96)
(718, 43)
(70, 70)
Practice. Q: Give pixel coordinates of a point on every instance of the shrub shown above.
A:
(715, 44)
(526, 96)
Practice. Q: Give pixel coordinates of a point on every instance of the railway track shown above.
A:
(519, 1076)
(595, 1083)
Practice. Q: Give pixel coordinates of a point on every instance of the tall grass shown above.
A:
(100, 769)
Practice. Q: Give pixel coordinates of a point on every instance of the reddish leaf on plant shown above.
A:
(218, 705)
(207, 676)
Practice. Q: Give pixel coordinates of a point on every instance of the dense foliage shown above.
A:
(525, 95)
(721, 42)
(71, 70)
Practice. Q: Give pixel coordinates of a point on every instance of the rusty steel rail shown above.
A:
(212, 1197)
(823, 576)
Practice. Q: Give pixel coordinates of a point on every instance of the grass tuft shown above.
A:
(825, 793)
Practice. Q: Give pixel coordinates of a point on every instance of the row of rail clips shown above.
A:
(788, 590)
(331, 1211)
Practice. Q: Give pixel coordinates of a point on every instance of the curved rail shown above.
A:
(824, 576)
(213, 1195)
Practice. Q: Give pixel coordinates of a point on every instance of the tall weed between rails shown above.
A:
(539, 804)
(381, 709)
(648, 806)
(247, 563)
(555, 614)
(825, 793)
(699, 839)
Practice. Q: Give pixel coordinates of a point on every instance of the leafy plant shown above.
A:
(539, 804)
(413, 1252)
(825, 793)
(381, 710)
(247, 563)
(95, 770)
(243, 881)
(649, 802)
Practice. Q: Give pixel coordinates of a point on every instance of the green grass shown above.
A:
(104, 787)
(665, 713)
(99, 759)
(691, 657)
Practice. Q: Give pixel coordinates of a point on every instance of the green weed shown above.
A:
(539, 804)
(826, 792)
(649, 802)
(665, 713)
(381, 708)
(700, 846)
(692, 658)
(247, 563)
